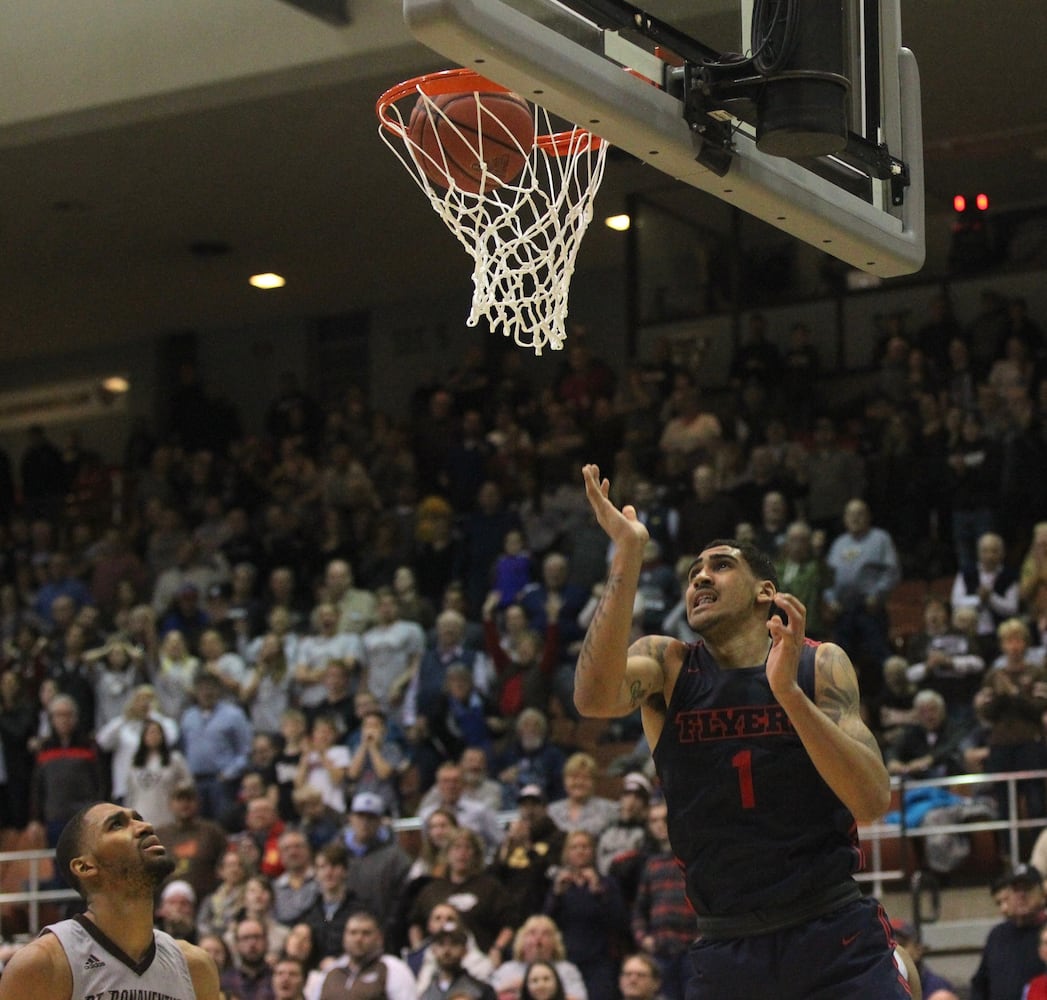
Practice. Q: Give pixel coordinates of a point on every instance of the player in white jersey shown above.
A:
(112, 857)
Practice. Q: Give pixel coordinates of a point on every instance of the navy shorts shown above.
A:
(847, 954)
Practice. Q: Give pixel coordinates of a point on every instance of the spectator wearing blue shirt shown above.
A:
(216, 741)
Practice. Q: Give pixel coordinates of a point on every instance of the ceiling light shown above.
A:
(116, 384)
(619, 223)
(267, 280)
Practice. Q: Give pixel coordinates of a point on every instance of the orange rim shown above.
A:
(467, 81)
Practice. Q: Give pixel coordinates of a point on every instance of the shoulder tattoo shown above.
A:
(643, 689)
(837, 685)
(653, 647)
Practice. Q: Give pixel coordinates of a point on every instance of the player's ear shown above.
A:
(766, 593)
(83, 867)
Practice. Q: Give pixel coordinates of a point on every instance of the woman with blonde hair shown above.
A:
(1034, 566)
(1012, 699)
(582, 809)
(538, 940)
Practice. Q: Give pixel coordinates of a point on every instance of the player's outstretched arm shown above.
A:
(610, 679)
(839, 743)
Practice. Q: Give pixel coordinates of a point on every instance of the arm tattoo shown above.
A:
(636, 694)
(837, 688)
(838, 697)
(653, 647)
(585, 655)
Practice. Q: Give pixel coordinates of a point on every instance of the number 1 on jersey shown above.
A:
(743, 764)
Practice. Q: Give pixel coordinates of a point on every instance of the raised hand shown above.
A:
(783, 660)
(622, 526)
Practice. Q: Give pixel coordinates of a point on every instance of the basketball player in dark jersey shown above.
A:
(112, 857)
(766, 766)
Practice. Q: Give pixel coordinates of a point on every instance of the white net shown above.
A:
(523, 235)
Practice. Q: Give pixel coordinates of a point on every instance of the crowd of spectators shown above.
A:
(274, 642)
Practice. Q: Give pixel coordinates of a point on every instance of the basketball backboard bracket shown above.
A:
(864, 205)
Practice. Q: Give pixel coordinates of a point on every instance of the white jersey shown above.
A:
(101, 971)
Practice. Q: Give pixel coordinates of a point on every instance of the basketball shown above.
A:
(471, 132)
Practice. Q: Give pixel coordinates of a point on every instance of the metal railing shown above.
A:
(873, 835)
(924, 885)
(33, 896)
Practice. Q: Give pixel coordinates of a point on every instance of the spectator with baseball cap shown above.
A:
(379, 865)
(450, 978)
(626, 832)
(532, 844)
(196, 844)
(1011, 955)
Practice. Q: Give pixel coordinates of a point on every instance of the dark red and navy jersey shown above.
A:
(754, 824)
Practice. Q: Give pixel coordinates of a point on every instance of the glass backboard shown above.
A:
(659, 83)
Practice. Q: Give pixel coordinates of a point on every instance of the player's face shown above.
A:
(720, 586)
(125, 849)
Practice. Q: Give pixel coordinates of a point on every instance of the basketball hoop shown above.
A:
(523, 232)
